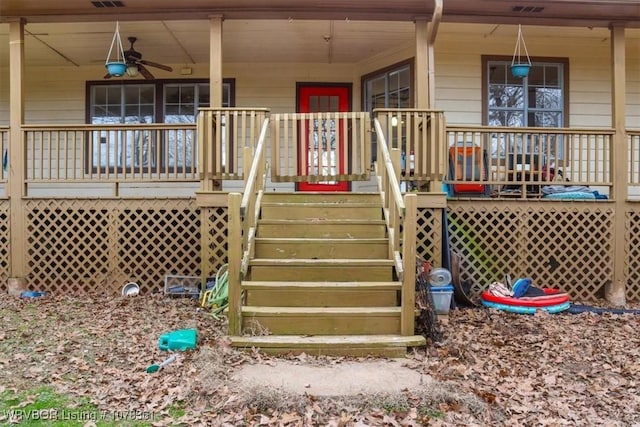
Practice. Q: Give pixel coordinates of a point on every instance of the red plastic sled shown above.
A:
(551, 297)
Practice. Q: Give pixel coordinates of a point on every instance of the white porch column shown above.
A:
(615, 292)
(16, 166)
(215, 61)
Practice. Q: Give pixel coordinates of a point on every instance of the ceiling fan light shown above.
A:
(132, 70)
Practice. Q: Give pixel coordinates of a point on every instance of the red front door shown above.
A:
(323, 151)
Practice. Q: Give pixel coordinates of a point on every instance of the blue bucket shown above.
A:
(441, 296)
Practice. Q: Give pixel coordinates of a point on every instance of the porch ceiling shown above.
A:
(76, 32)
(247, 41)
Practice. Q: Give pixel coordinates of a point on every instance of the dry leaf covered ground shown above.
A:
(82, 361)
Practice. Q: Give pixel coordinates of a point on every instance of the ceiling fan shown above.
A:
(135, 63)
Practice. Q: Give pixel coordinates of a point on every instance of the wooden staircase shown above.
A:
(322, 280)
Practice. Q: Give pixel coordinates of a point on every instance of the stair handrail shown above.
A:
(389, 188)
(258, 159)
(399, 212)
(252, 195)
(393, 183)
(243, 214)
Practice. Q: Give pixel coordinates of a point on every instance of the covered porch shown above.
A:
(91, 204)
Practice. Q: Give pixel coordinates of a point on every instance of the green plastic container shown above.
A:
(183, 339)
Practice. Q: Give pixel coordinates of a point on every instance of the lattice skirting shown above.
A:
(5, 251)
(429, 235)
(568, 246)
(98, 245)
(632, 252)
(77, 246)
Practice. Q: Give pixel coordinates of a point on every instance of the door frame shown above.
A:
(344, 85)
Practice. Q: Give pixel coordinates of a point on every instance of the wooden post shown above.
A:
(16, 188)
(396, 156)
(426, 32)
(234, 255)
(421, 64)
(215, 61)
(615, 291)
(247, 161)
(215, 95)
(431, 39)
(407, 318)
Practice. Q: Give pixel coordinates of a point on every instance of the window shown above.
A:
(538, 100)
(388, 88)
(140, 103)
(123, 104)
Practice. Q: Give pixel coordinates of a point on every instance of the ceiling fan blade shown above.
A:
(155, 64)
(145, 73)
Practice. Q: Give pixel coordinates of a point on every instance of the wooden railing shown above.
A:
(110, 153)
(4, 145)
(633, 136)
(320, 147)
(519, 161)
(244, 210)
(400, 213)
(420, 137)
(224, 133)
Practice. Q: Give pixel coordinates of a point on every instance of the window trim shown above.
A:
(410, 62)
(485, 83)
(159, 88)
(159, 110)
(385, 70)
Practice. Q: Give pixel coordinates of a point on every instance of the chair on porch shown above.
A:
(470, 163)
(526, 167)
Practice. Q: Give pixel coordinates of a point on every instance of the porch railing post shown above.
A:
(407, 318)
(17, 157)
(615, 290)
(234, 255)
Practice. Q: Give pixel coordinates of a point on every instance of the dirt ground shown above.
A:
(492, 368)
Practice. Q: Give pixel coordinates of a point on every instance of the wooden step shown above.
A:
(320, 320)
(318, 197)
(319, 211)
(331, 345)
(314, 270)
(305, 247)
(321, 294)
(321, 228)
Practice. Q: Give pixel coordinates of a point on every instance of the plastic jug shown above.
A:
(183, 339)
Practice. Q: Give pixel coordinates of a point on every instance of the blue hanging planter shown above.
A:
(117, 66)
(520, 70)
(116, 69)
(520, 64)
